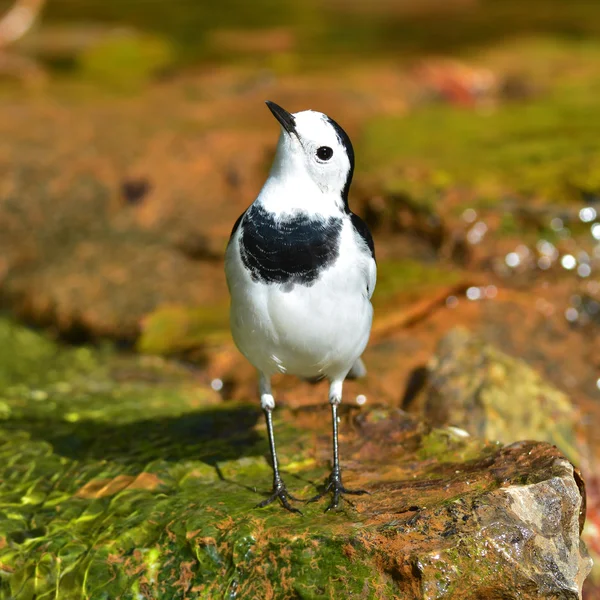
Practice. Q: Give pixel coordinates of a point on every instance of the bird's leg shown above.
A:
(279, 489)
(334, 483)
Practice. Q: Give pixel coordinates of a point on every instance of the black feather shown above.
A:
(288, 251)
(236, 225)
(363, 231)
(347, 144)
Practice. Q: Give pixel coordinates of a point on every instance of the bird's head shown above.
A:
(313, 147)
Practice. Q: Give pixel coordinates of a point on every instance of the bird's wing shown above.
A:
(362, 230)
(236, 225)
(231, 256)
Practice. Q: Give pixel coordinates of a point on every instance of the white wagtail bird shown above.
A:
(301, 271)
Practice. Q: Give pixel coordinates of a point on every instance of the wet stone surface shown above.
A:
(127, 477)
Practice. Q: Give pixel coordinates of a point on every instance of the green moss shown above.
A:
(176, 329)
(498, 397)
(547, 147)
(124, 477)
(409, 277)
(117, 474)
(446, 446)
(126, 61)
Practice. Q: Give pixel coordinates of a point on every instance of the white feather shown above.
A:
(308, 331)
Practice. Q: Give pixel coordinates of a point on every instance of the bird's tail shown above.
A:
(358, 370)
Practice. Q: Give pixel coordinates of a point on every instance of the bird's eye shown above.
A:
(324, 152)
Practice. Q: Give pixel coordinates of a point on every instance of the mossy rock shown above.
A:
(474, 386)
(123, 477)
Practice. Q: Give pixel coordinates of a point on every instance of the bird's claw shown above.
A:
(336, 486)
(280, 491)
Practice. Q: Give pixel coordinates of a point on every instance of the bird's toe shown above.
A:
(280, 492)
(337, 489)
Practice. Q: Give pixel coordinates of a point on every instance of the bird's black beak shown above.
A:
(287, 120)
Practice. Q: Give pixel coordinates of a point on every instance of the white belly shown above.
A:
(307, 331)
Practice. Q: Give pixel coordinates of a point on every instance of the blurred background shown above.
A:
(134, 132)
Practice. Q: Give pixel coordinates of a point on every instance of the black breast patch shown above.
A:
(288, 251)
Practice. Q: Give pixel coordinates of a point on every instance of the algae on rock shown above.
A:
(123, 477)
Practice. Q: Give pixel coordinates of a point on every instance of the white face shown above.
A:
(317, 149)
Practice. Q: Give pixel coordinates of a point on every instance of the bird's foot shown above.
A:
(335, 485)
(280, 491)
